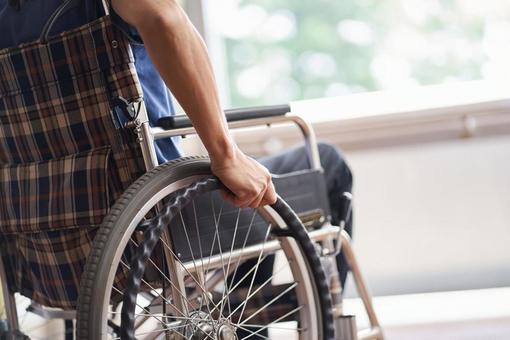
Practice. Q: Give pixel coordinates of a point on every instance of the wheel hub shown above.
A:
(227, 332)
(202, 327)
(204, 330)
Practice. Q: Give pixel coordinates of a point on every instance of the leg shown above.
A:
(338, 180)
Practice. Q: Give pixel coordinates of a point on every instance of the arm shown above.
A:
(180, 56)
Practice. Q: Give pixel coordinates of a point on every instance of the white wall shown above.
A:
(433, 217)
(432, 181)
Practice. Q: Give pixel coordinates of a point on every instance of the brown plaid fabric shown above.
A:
(47, 266)
(69, 191)
(63, 158)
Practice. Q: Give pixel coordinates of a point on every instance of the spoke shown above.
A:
(273, 322)
(201, 279)
(244, 247)
(160, 316)
(252, 332)
(155, 317)
(197, 229)
(143, 308)
(200, 285)
(237, 285)
(189, 242)
(248, 297)
(146, 310)
(244, 326)
(192, 255)
(160, 295)
(216, 224)
(256, 270)
(166, 329)
(183, 266)
(278, 271)
(192, 276)
(225, 284)
(230, 289)
(156, 266)
(166, 278)
(216, 235)
(270, 302)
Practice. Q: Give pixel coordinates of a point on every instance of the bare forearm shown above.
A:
(180, 55)
(181, 58)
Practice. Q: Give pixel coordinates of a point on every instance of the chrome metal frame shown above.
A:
(375, 330)
(148, 133)
(327, 234)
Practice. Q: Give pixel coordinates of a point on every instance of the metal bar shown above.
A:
(311, 141)
(214, 261)
(176, 275)
(360, 283)
(346, 328)
(306, 130)
(370, 334)
(148, 150)
(106, 6)
(145, 138)
(9, 302)
(49, 313)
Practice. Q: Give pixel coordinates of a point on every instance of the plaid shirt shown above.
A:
(63, 160)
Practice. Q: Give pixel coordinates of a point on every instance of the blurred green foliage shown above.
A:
(338, 47)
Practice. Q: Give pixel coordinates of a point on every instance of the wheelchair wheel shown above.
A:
(173, 260)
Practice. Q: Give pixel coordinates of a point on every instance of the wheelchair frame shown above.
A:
(332, 237)
(345, 326)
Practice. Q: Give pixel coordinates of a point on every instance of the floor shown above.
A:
(460, 315)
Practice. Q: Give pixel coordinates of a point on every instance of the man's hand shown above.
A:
(248, 182)
(180, 56)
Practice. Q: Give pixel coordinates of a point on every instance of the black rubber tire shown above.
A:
(143, 189)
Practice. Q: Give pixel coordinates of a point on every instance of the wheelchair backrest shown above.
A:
(305, 191)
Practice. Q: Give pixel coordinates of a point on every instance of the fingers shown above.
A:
(257, 202)
(266, 196)
(247, 183)
(228, 196)
(246, 199)
(270, 195)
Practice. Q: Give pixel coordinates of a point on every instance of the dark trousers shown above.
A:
(338, 180)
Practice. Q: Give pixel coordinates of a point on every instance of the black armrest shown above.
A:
(234, 115)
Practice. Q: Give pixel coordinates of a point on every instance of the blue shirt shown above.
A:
(17, 27)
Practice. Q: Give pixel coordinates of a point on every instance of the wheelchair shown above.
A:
(170, 259)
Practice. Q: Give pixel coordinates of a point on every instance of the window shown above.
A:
(273, 51)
